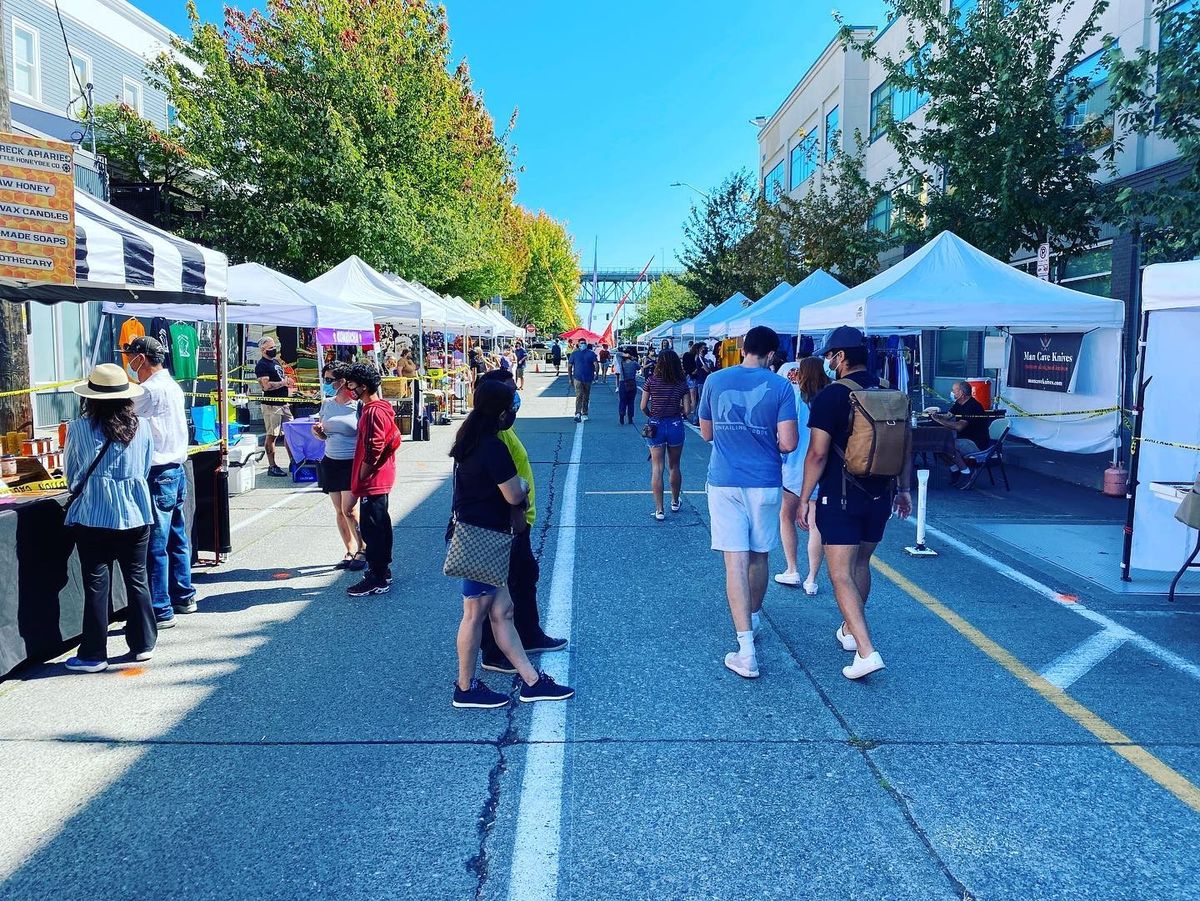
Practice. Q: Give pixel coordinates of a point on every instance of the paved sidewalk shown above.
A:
(290, 742)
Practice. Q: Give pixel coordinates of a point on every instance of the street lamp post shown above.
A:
(684, 184)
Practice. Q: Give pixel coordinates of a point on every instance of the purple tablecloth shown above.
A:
(302, 444)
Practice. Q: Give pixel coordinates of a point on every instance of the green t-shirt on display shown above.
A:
(185, 346)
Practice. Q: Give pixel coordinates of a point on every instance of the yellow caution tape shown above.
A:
(49, 387)
(41, 485)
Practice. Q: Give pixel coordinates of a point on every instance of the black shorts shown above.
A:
(334, 475)
(863, 519)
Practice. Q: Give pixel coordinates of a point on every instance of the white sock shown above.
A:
(966, 471)
(755, 621)
(954, 467)
(745, 642)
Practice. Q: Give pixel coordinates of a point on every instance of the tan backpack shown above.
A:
(880, 440)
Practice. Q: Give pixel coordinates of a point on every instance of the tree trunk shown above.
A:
(16, 412)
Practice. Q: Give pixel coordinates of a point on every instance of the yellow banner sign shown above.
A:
(37, 210)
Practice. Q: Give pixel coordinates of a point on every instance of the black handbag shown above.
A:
(650, 429)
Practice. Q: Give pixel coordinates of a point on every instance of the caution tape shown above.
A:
(40, 485)
(1133, 446)
(49, 387)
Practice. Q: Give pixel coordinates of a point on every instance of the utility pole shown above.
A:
(16, 411)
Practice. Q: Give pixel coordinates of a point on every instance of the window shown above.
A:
(833, 133)
(27, 63)
(804, 159)
(131, 94)
(881, 110)
(964, 8)
(1078, 113)
(56, 342)
(881, 216)
(1169, 39)
(773, 183)
(172, 116)
(79, 76)
(887, 101)
(1089, 271)
(952, 347)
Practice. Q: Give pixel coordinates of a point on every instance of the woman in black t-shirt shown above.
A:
(489, 493)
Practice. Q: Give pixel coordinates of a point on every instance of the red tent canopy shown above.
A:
(576, 333)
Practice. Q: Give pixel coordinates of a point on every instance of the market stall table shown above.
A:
(307, 449)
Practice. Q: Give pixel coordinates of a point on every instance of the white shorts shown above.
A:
(744, 519)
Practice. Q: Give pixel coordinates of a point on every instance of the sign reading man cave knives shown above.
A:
(37, 210)
(1044, 362)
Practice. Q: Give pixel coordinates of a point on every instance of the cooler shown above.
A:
(243, 458)
(982, 391)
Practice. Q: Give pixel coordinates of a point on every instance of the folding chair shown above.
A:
(986, 459)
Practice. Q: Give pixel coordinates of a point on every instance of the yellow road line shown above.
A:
(1120, 743)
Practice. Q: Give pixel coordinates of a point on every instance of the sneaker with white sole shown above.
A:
(76, 665)
(676, 505)
(863, 666)
(847, 641)
(810, 589)
(478, 697)
(788, 578)
(545, 689)
(659, 515)
(746, 667)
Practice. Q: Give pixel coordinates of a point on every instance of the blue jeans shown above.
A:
(169, 557)
(625, 399)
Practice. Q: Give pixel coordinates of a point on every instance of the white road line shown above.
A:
(534, 873)
(267, 511)
(1077, 662)
(1183, 665)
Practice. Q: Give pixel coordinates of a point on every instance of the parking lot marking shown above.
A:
(1118, 742)
(534, 872)
(268, 510)
(1076, 663)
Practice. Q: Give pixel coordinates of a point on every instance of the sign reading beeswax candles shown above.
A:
(37, 210)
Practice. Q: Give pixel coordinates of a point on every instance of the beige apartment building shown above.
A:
(841, 93)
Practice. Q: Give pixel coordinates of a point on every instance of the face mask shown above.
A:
(829, 370)
(328, 390)
(272, 353)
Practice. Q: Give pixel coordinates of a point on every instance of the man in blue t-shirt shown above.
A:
(749, 415)
(584, 364)
(851, 513)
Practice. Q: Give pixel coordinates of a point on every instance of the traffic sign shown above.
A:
(1043, 262)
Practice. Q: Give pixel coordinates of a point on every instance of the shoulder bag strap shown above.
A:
(87, 475)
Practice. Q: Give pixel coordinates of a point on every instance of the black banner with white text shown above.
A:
(1044, 362)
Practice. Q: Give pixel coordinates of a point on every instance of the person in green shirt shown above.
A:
(523, 569)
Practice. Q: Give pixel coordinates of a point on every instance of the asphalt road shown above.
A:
(1031, 737)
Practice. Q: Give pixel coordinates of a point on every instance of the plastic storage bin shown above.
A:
(243, 459)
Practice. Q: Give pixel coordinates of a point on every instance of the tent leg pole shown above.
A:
(1136, 412)
(222, 379)
(921, 366)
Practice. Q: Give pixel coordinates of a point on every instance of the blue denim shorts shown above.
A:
(473, 589)
(669, 432)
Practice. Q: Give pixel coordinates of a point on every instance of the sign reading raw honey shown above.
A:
(37, 210)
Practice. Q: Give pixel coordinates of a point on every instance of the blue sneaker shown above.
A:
(76, 665)
(545, 689)
(479, 697)
(165, 620)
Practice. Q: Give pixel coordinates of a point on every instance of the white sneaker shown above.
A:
(845, 640)
(863, 666)
(659, 515)
(810, 589)
(788, 578)
(585, 419)
(746, 667)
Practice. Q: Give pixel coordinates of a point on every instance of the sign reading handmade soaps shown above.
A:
(37, 210)
(1044, 362)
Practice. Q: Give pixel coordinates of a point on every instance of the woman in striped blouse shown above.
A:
(111, 513)
(665, 399)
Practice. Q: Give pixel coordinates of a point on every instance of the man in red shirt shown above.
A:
(372, 477)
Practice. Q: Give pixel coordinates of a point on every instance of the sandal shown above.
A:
(357, 562)
(659, 515)
(676, 505)
(344, 563)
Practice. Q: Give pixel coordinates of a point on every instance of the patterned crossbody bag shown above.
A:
(476, 552)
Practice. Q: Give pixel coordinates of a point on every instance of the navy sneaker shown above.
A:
(187, 605)
(368, 586)
(545, 689)
(546, 643)
(76, 665)
(165, 621)
(478, 697)
(498, 664)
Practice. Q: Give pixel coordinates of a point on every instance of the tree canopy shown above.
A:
(712, 234)
(667, 299)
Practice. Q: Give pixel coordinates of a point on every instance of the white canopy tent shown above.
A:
(1168, 433)
(782, 312)
(722, 328)
(504, 326)
(689, 326)
(948, 284)
(437, 313)
(734, 305)
(353, 281)
(662, 330)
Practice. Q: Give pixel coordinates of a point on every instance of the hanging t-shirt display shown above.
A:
(185, 346)
(130, 329)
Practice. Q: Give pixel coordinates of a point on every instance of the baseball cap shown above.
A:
(151, 348)
(843, 336)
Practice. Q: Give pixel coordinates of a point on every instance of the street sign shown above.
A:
(531, 329)
(37, 210)
(1043, 262)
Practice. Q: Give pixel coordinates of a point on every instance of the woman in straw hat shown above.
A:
(107, 462)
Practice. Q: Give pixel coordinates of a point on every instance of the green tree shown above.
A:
(1003, 157)
(551, 273)
(137, 152)
(1155, 94)
(712, 233)
(321, 129)
(667, 299)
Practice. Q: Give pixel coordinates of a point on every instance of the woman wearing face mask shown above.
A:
(808, 378)
(487, 489)
(337, 426)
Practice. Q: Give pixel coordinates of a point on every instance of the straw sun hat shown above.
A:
(108, 381)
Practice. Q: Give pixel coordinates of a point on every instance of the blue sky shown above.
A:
(619, 99)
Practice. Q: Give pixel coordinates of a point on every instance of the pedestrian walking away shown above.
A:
(107, 464)
(857, 495)
(605, 359)
(488, 492)
(160, 410)
(337, 426)
(372, 476)
(584, 365)
(808, 378)
(275, 387)
(523, 569)
(749, 415)
(665, 400)
(556, 356)
(627, 373)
